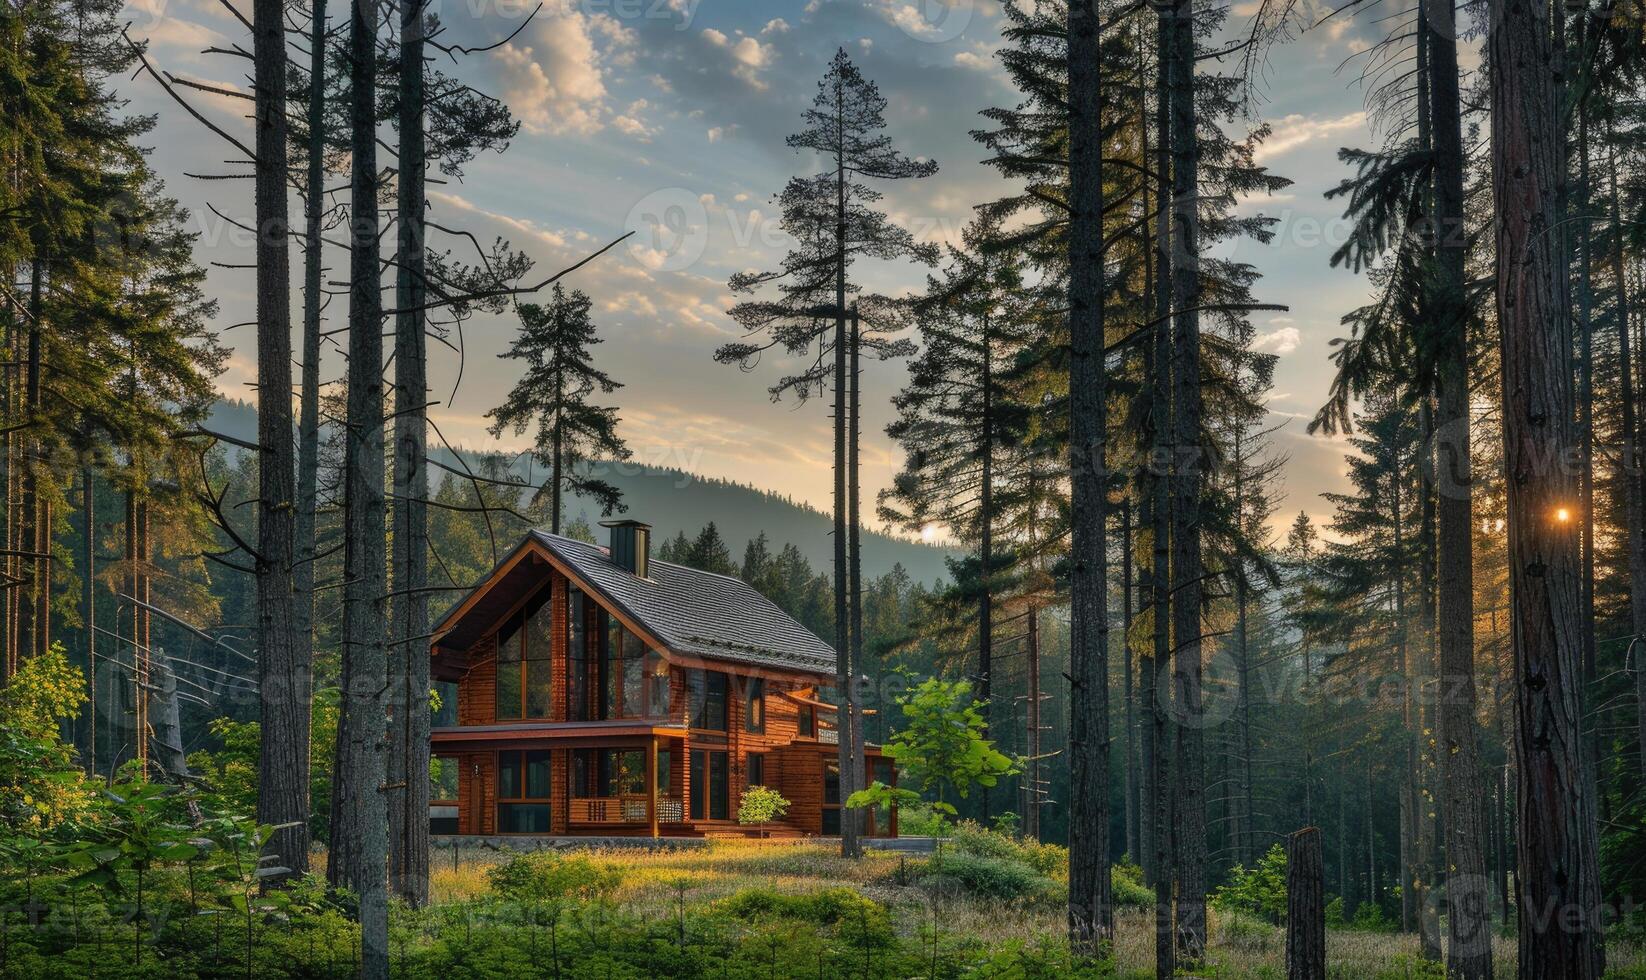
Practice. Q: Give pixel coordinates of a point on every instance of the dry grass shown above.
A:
(653, 882)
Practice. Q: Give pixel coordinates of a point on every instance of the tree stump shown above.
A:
(1305, 906)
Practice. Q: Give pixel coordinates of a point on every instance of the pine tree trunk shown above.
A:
(852, 704)
(1469, 953)
(985, 548)
(1305, 906)
(409, 659)
(1560, 927)
(1129, 788)
(308, 426)
(360, 822)
(1188, 476)
(1157, 667)
(1091, 913)
(1630, 465)
(282, 666)
(850, 846)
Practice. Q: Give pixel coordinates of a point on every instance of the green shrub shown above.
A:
(541, 876)
(1259, 890)
(969, 837)
(921, 820)
(985, 877)
(1126, 881)
(1246, 933)
(1334, 913)
(861, 922)
(1369, 917)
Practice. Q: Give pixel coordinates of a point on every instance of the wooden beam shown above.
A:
(651, 784)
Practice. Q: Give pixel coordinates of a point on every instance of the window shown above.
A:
(616, 772)
(757, 769)
(831, 797)
(445, 715)
(707, 689)
(807, 722)
(579, 666)
(443, 776)
(657, 685)
(524, 646)
(754, 705)
(635, 680)
(711, 796)
(523, 780)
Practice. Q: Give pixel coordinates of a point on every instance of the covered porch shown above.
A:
(586, 778)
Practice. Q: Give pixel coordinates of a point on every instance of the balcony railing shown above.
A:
(627, 809)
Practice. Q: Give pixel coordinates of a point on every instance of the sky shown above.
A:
(668, 118)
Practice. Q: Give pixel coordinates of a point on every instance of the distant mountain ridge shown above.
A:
(673, 500)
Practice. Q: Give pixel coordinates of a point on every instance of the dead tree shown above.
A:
(1305, 906)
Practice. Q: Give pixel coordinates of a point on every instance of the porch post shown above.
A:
(651, 784)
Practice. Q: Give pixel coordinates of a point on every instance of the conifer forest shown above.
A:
(823, 488)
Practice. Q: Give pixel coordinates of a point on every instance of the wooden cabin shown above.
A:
(594, 691)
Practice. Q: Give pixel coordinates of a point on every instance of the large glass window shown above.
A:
(616, 772)
(523, 780)
(524, 646)
(580, 665)
(635, 680)
(711, 789)
(707, 691)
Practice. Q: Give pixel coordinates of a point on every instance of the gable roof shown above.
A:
(693, 613)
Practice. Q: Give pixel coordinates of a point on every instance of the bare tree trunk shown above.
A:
(1634, 495)
(1091, 912)
(360, 822)
(1469, 953)
(985, 546)
(850, 846)
(1560, 927)
(853, 704)
(409, 662)
(1187, 484)
(308, 428)
(282, 667)
(1130, 690)
(88, 608)
(1305, 906)
(1157, 667)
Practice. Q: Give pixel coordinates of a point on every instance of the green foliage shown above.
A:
(40, 786)
(919, 819)
(1129, 889)
(1369, 917)
(942, 744)
(996, 878)
(548, 876)
(761, 805)
(1334, 913)
(1259, 890)
(229, 774)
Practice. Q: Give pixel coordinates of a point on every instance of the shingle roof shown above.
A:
(697, 613)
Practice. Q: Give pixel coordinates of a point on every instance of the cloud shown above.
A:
(1295, 130)
(555, 81)
(749, 56)
(1281, 340)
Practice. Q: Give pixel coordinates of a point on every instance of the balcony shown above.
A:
(627, 810)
